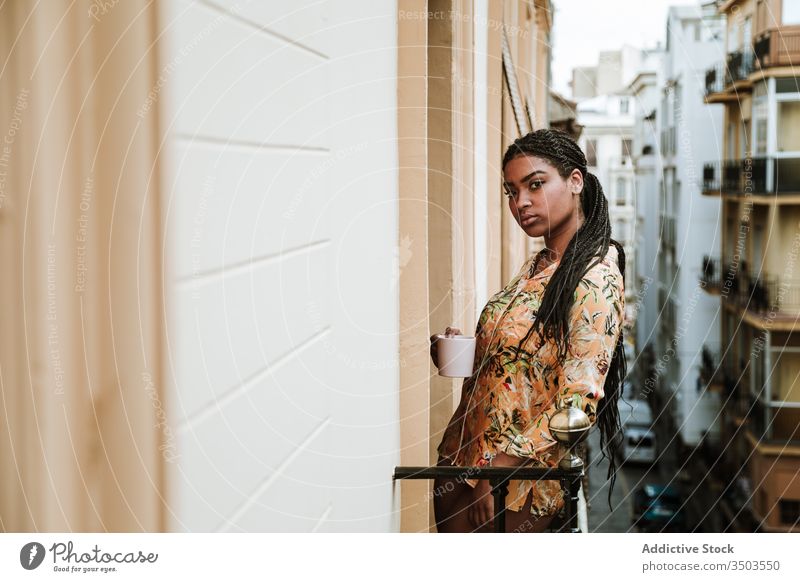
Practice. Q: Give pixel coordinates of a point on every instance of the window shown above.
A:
(760, 125)
(790, 13)
(620, 194)
(744, 138)
(787, 85)
(789, 510)
(627, 147)
(624, 105)
(731, 141)
(788, 122)
(591, 152)
(734, 30)
(747, 34)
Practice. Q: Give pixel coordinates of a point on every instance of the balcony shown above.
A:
(766, 301)
(715, 79)
(761, 176)
(778, 47)
(711, 274)
(764, 293)
(725, 80)
(739, 66)
(712, 374)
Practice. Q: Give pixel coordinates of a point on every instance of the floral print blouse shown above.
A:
(506, 405)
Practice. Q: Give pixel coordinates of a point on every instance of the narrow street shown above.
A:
(629, 478)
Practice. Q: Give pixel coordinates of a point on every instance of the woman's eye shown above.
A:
(535, 185)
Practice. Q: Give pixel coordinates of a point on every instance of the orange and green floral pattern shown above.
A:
(507, 403)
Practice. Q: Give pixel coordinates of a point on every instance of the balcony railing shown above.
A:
(711, 371)
(761, 294)
(715, 79)
(500, 476)
(758, 175)
(778, 47)
(711, 273)
(739, 66)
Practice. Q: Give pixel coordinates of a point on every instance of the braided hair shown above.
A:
(591, 239)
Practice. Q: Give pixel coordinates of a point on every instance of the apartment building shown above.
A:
(687, 316)
(607, 140)
(753, 271)
(646, 92)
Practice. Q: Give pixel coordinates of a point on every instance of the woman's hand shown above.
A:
(450, 331)
(481, 510)
(481, 507)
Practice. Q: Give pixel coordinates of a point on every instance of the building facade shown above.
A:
(687, 315)
(755, 180)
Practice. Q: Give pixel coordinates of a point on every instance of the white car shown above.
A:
(638, 444)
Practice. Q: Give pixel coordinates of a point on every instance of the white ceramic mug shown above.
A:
(456, 355)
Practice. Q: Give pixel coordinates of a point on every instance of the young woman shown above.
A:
(551, 337)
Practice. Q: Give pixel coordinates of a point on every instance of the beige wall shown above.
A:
(80, 218)
(440, 209)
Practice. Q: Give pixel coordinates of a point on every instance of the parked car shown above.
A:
(637, 440)
(638, 444)
(657, 508)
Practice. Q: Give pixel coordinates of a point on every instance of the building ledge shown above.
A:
(781, 322)
(773, 448)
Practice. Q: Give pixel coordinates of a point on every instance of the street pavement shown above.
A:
(629, 478)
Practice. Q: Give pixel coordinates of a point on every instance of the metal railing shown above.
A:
(500, 476)
(715, 79)
(711, 371)
(711, 272)
(763, 293)
(739, 65)
(756, 175)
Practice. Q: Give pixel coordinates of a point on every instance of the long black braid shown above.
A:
(587, 248)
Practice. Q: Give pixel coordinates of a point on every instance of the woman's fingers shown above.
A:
(481, 510)
(452, 331)
(434, 351)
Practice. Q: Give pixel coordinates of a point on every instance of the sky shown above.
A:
(583, 28)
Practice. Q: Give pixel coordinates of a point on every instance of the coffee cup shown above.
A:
(456, 355)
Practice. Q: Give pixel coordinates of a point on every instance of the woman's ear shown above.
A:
(576, 181)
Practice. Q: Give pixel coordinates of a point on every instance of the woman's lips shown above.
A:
(527, 220)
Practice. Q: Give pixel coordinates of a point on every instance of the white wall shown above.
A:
(282, 287)
(698, 136)
(646, 200)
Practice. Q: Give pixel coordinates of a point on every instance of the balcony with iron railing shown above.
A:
(712, 373)
(760, 176)
(726, 79)
(739, 66)
(569, 426)
(762, 293)
(715, 79)
(711, 274)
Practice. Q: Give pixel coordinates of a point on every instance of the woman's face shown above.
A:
(541, 201)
